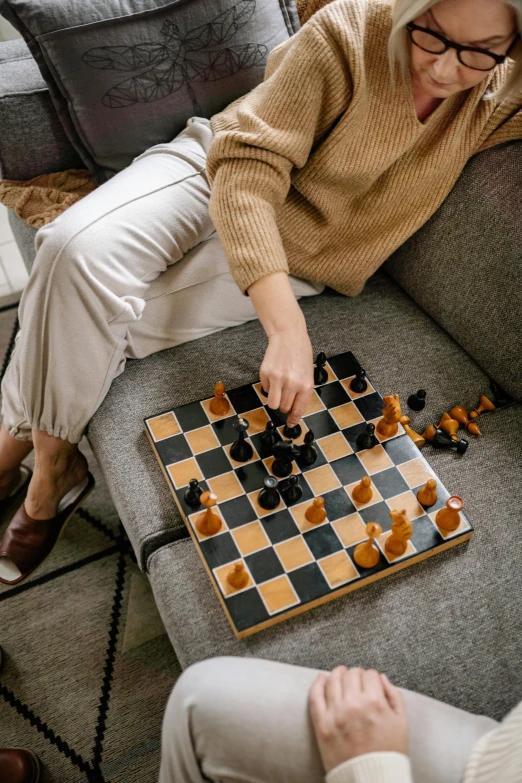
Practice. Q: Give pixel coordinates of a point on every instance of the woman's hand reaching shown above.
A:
(287, 372)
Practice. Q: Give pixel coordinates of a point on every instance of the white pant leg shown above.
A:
(244, 719)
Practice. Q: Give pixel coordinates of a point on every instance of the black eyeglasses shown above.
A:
(478, 59)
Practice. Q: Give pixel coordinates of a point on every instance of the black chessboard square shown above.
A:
(321, 424)
(364, 572)
(309, 583)
(263, 452)
(307, 492)
(351, 434)
(322, 541)
(213, 463)
(244, 399)
(225, 431)
(379, 512)
(184, 506)
(348, 469)
(344, 365)
(251, 475)
(390, 482)
(337, 504)
(442, 496)
(173, 449)
(191, 416)
(280, 526)
(264, 565)
(219, 550)
(425, 534)
(332, 395)
(370, 406)
(401, 449)
(247, 609)
(237, 512)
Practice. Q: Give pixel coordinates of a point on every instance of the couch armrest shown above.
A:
(32, 140)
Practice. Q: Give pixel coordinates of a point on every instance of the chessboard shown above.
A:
(292, 565)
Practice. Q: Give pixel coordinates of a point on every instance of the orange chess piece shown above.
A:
(429, 432)
(459, 413)
(219, 406)
(366, 555)
(473, 427)
(419, 440)
(238, 577)
(209, 522)
(363, 492)
(449, 425)
(448, 518)
(484, 405)
(316, 513)
(427, 495)
(401, 532)
(388, 426)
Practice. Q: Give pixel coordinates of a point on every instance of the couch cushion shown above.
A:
(464, 266)
(127, 75)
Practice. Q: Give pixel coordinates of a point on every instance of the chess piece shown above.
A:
(416, 438)
(401, 532)
(307, 452)
(209, 523)
(320, 374)
(388, 426)
(292, 492)
(263, 392)
(427, 495)
(448, 424)
(363, 492)
(241, 450)
(483, 406)
(367, 438)
(366, 555)
(278, 417)
(316, 513)
(359, 384)
(269, 497)
(448, 518)
(460, 414)
(269, 437)
(473, 427)
(441, 440)
(219, 406)
(238, 576)
(292, 433)
(417, 401)
(193, 493)
(500, 397)
(284, 453)
(429, 432)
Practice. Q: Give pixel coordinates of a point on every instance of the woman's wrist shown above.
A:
(276, 305)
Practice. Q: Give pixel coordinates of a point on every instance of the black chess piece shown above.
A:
(193, 493)
(441, 440)
(284, 452)
(269, 437)
(308, 452)
(292, 432)
(269, 497)
(367, 438)
(277, 416)
(293, 491)
(241, 450)
(417, 401)
(263, 392)
(500, 397)
(320, 374)
(359, 384)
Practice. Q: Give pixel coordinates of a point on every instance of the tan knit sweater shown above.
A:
(321, 170)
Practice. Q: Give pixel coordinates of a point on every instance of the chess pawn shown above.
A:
(448, 424)
(429, 432)
(366, 555)
(484, 405)
(367, 438)
(363, 493)
(219, 406)
(441, 440)
(193, 494)
(316, 513)
(269, 437)
(427, 495)
(359, 384)
(460, 414)
(238, 577)
(269, 497)
(473, 427)
(292, 433)
(293, 492)
(241, 450)
(320, 374)
(209, 522)
(416, 438)
(388, 426)
(448, 518)
(308, 452)
(401, 532)
(417, 401)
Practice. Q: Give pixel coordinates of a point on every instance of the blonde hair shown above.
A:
(405, 11)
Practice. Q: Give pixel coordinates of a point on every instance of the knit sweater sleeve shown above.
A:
(271, 130)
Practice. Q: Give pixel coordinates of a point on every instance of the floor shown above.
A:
(13, 275)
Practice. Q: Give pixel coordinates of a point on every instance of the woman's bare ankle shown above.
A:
(59, 467)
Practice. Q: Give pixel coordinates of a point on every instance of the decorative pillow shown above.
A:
(127, 74)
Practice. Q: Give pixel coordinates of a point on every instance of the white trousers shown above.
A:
(246, 720)
(134, 267)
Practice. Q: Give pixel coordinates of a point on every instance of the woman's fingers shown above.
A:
(393, 695)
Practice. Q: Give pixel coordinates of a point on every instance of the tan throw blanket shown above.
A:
(40, 200)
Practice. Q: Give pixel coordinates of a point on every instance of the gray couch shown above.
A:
(444, 314)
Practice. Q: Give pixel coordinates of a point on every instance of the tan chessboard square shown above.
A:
(355, 395)
(374, 460)
(296, 441)
(293, 553)
(346, 415)
(322, 479)
(410, 549)
(315, 405)
(212, 416)
(164, 426)
(400, 430)
(299, 511)
(253, 458)
(257, 420)
(338, 569)
(202, 439)
(222, 573)
(260, 511)
(194, 518)
(335, 446)
(268, 462)
(464, 525)
(182, 472)
(408, 502)
(415, 472)
(250, 538)
(376, 497)
(226, 486)
(351, 529)
(278, 594)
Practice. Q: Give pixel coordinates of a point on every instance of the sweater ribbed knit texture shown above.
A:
(322, 170)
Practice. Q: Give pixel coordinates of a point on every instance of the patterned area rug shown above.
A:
(88, 667)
